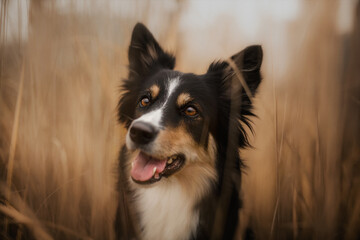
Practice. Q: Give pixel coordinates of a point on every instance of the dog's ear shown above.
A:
(145, 52)
(249, 61)
(230, 91)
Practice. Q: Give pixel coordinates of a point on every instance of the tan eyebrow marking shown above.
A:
(154, 90)
(183, 99)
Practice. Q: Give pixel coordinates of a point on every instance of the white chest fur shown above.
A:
(166, 212)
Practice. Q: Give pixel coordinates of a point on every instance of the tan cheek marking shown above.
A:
(197, 177)
(155, 90)
(199, 171)
(175, 140)
(212, 148)
(178, 140)
(183, 98)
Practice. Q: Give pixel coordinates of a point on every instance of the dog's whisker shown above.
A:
(127, 116)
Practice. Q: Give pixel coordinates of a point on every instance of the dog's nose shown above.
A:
(142, 133)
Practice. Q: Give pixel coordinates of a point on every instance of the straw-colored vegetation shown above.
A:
(59, 136)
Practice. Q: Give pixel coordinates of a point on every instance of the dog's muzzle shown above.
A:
(148, 167)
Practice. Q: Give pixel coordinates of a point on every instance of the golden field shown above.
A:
(61, 65)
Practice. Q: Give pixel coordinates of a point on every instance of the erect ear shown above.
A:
(230, 91)
(248, 61)
(145, 53)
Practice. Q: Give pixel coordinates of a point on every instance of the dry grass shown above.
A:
(58, 150)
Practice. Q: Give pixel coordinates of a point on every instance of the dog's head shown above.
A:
(180, 121)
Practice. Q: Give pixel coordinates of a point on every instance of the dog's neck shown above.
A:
(166, 211)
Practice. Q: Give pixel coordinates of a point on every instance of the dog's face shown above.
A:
(173, 118)
(170, 129)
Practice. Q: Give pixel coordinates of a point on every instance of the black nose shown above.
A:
(142, 133)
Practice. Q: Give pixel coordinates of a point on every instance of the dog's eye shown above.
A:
(190, 111)
(145, 101)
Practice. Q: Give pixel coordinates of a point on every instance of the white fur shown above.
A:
(154, 117)
(166, 211)
(174, 83)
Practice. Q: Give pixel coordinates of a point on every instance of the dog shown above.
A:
(179, 169)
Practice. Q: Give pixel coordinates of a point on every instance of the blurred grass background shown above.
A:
(61, 64)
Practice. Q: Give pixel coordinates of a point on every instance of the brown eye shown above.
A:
(190, 111)
(144, 102)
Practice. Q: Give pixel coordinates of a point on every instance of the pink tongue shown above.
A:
(143, 167)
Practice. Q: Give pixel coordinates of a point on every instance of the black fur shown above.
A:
(226, 108)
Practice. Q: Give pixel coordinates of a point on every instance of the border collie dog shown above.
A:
(179, 169)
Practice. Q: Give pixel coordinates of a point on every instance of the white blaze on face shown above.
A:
(154, 117)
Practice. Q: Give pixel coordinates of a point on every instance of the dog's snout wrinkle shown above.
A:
(143, 133)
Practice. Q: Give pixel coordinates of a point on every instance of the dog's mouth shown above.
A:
(146, 169)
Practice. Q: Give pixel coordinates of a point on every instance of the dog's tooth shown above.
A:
(154, 171)
(170, 161)
(132, 164)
